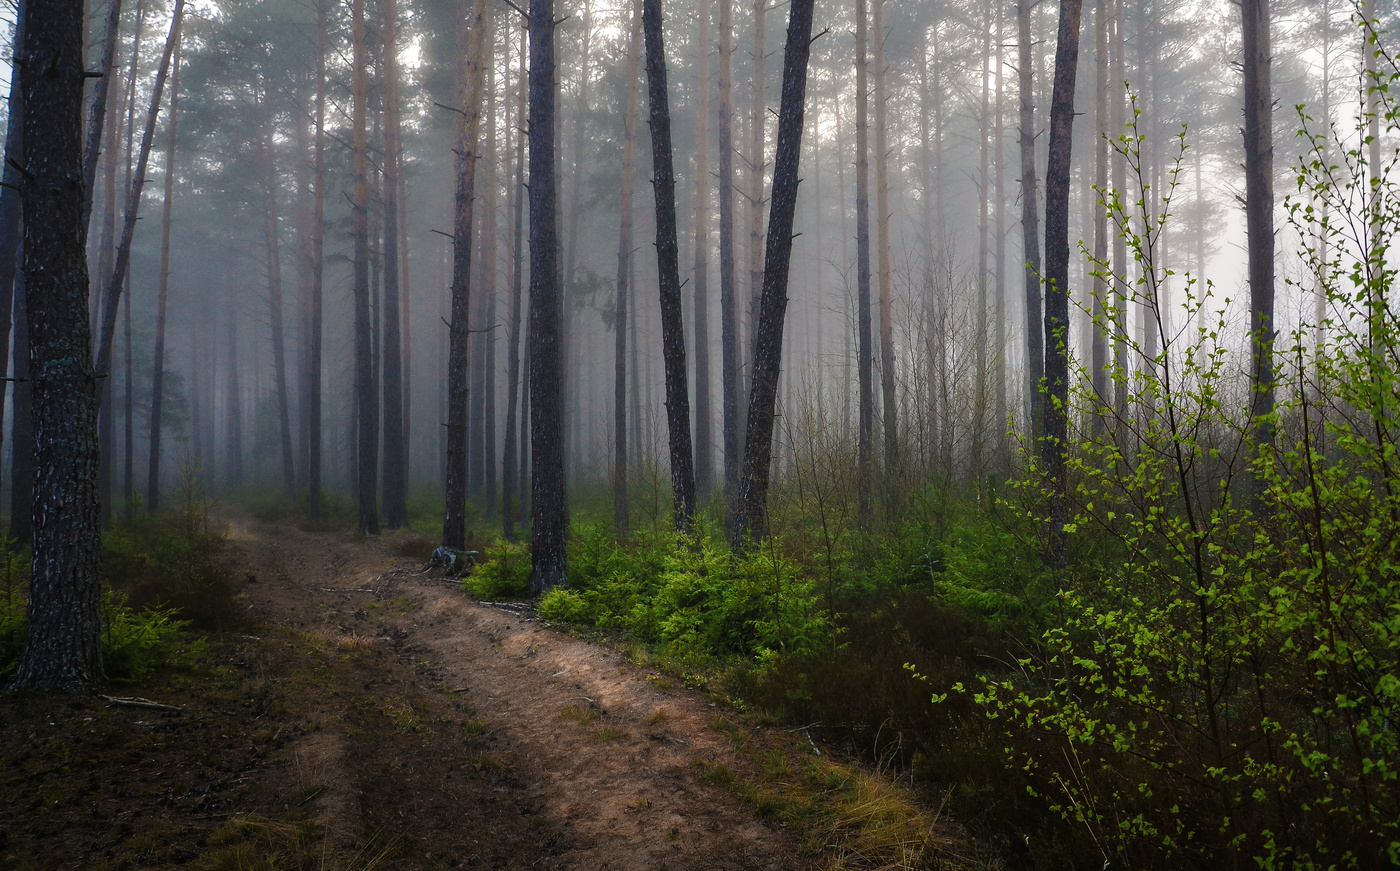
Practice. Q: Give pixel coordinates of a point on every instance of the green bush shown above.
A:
(135, 643)
(504, 575)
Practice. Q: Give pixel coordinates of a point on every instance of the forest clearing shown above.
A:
(846, 434)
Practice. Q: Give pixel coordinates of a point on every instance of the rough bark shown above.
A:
(512, 465)
(1055, 445)
(668, 271)
(1259, 208)
(471, 42)
(730, 360)
(758, 445)
(1030, 219)
(366, 397)
(624, 270)
(98, 108)
(864, 353)
(884, 272)
(163, 290)
(395, 447)
(549, 511)
(1099, 352)
(704, 450)
(61, 651)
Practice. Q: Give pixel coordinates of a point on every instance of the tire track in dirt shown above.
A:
(600, 756)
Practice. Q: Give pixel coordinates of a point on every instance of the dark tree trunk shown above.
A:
(274, 299)
(548, 506)
(61, 651)
(1120, 245)
(753, 197)
(512, 462)
(624, 271)
(234, 463)
(454, 528)
(318, 234)
(704, 450)
(366, 397)
(864, 350)
(728, 303)
(668, 271)
(883, 269)
(1055, 445)
(97, 110)
(162, 291)
(128, 410)
(395, 448)
(758, 444)
(1098, 356)
(488, 288)
(1030, 219)
(1259, 208)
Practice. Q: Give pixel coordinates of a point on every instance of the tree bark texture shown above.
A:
(366, 396)
(668, 272)
(471, 31)
(61, 651)
(1098, 359)
(163, 291)
(97, 109)
(1259, 208)
(758, 445)
(549, 510)
(1030, 219)
(882, 259)
(1055, 444)
(395, 447)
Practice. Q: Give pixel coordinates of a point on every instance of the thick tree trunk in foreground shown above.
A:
(668, 272)
(864, 350)
(758, 439)
(624, 274)
(1055, 445)
(550, 513)
(471, 30)
(704, 450)
(162, 292)
(730, 359)
(366, 396)
(395, 448)
(1030, 220)
(1259, 208)
(61, 651)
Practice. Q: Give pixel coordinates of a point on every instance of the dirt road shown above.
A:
(480, 737)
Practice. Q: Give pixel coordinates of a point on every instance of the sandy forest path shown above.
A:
(514, 745)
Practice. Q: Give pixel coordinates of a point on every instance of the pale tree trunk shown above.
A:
(926, 198)
(473, 48)
(979, 397)
(999, 420)
(730, 359)
(1030, 220)
(704, 451)
(624, 270)
(488, 289)
(1099, 353)
(758, 115)
(395, 447)
(1055, 446)
(550, 513)
(864, 353)
(234, 408)
(1120, 245)
(61, 651)
(162, 290)
(318, 233)
(1259, 207)
(366, 396)
(882, 255)
(668, 272)
(513, 461)
(758, 434)
(274, 297)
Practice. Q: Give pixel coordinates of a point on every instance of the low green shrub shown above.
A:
(135, 643)
(505, 574)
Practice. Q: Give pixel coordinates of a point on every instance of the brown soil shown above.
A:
(379, 719)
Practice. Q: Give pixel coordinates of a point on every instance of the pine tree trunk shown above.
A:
(1002, 462)
(473, 48)
(758, 434)
(1099, 353)
(884, 272)
(162, 291)
(61, 650)
(550, 514)
(1259, 208)
(864, 353)
(1120, 246)
(704, 450)
(274, 300)
(624, 272)
(1030, 221)
(758, 116)
(395, 448)
(1055, 446)
(318, 234)
(99, 108)
(366, 396)
(512, 476)
(488, 289)
(730, 359)
(668, 272)
(128, 410)
(979, 399)
(234, 464)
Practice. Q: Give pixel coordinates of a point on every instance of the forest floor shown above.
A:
(382, 719)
